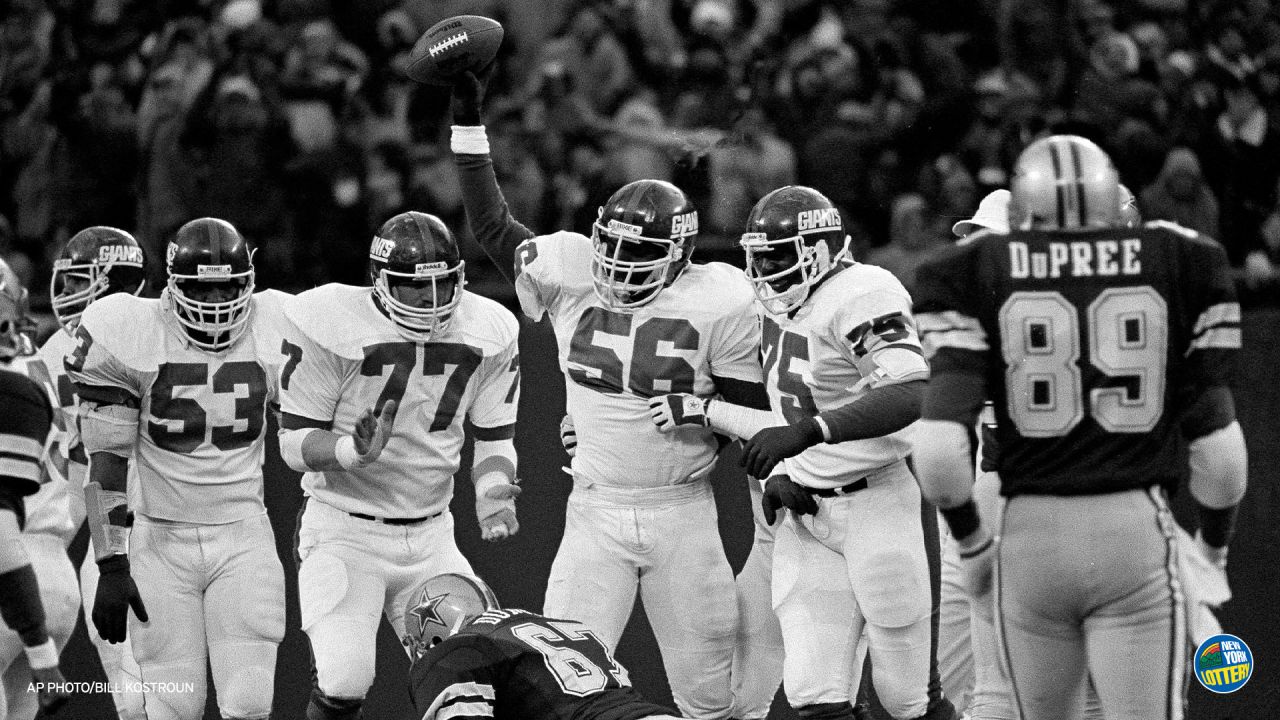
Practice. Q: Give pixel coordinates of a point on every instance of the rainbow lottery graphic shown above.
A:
(1223, 664)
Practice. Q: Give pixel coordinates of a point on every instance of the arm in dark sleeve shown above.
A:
(487, 213)
(453, 680)
(882, 410)
(742, 392)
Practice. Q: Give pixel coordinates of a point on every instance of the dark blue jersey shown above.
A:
(1091, 345)
(515, 665)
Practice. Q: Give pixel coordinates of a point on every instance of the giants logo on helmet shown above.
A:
(381, 248)
(817, 220)
(683, 225)
(120, 254)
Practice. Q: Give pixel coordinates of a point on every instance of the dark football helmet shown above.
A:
(96, 262)
(211, 277)
(794, 237)
(417, 273)
(1064, 183)
(643, 238)
(16, 326)
(440, 606)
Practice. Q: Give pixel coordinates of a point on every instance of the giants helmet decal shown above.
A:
(1064, 182)
(417, 250)
(440, 606)
(642, 241)
(96, 262)
(794, 237)
(212, 251)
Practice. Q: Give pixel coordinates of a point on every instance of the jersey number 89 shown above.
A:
(1127, 338)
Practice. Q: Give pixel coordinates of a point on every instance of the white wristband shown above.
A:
(345, 453)
(43, 656)
(738, 421)
(468, 140)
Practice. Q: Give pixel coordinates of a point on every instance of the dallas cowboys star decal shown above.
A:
(426, 611)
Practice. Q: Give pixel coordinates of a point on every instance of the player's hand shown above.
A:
(569, 436)
(51, 694)
(678, 409)
(978, 563)
(372, 433)
(468, 95)
(116, 594)
(772, 445)
(781, 492)
(1207, 570)
(496, 510)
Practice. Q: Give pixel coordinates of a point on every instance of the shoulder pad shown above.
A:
(485, 321)
(128, 328)
(337, 317)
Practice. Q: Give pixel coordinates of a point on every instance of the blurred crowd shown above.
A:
(293, 119)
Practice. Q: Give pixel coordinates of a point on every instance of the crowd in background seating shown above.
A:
(293, 119)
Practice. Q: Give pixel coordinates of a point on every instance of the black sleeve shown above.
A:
(24, 426)
(452, 674)
(741, 392)
(487, 213)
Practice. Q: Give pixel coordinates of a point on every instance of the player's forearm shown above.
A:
(107, 505)
(1219, 478)
(881, 410)
(943, 462)
(20, 605)
(497, 232)
(312, 449)
(736, 420)
(494, 464)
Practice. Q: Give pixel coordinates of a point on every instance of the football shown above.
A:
(453, 46)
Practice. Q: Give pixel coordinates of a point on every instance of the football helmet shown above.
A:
(1065, 183)
(642, 240)
(440, 606)
(16, 327)
(96, 262)
(210, 289)
(794, 237)
(1130, 215)
(417, 273)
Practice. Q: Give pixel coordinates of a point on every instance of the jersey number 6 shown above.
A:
(602, 349)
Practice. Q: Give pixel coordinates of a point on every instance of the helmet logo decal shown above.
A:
(683, 225)
(170, 252)
(381, 248)
(427, 611)
(428, 269)
(621, 228)
(817, 220)
(120, 253)
(213, 272)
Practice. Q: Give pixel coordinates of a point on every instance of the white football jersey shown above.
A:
(202, 425)
(47, 511)
(702, 325)
(853, 333)
(70, 451)
(346, 357)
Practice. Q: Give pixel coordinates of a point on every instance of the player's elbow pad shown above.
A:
(494, 464)
(941, 456)
(1219, 467)
(109, 429)
(291, 442)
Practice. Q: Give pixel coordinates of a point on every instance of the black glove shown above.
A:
(116, 594)
(781, 492)
(772, 445)
(468, 96)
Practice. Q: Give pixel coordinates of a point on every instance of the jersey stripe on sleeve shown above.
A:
(462, 701)
(950, 329)
(1218, 327)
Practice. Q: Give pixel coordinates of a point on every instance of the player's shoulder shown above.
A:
(859, 279)
(333, 316)
(1195, 244)
(715, 286)
(56, 347)
(559, 257)
(485, 320)
(270, 303)
(128, 328)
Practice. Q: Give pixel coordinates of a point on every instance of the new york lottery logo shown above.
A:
(1223, 664)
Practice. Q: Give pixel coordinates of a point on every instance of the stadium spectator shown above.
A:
(1180, 194)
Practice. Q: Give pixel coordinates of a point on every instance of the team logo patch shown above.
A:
(422, 270)
(618, 227)
(213, 272)
(427, 611)
(1223, 664)
(684, 225)
(818, 220)
(381, 248)
(120, 254)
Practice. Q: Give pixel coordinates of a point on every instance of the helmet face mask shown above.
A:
(211, 281)
(642, 240)
(440, 607)
(418, 274)
(788, 242)
(96, 262)
(1064, 183)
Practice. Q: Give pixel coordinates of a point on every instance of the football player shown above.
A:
(174, 393)
(845, 374)
(38, 595)
(1097, 344)
(474, 659)
(417, 346)
(96, 262)
(633, 318)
